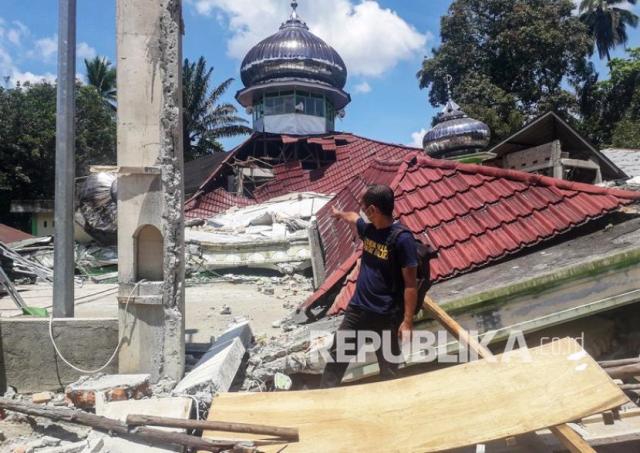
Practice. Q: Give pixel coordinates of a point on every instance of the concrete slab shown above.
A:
(176, 407)
(29, 363)
(242, 331)
(216, 374)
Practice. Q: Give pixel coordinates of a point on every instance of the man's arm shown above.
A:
(349, 217)
(409, 275)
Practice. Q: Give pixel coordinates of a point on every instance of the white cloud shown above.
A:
(17, 32)
(362, 88)
(85, 51)
(416, 138)
(46, 47)
(29, 77)
(371, 39)
(10, 73)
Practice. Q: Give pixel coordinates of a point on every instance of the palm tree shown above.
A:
(206, 121)
(102, 76)
(607, 21)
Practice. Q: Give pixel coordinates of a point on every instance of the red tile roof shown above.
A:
(353, 155)
(9, 235)
(218, 200)
(471, 214)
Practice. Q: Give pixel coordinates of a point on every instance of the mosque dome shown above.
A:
(455, 134)
(293, 53)
(293, 82)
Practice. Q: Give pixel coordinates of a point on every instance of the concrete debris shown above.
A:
(213, 376)
(30, 261)
(41, 398)
(216, 370)
(226, 310)
(89, 390)
(163, 387)
(282, 382)
(272, 235)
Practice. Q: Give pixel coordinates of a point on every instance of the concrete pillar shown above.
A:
(150, 187)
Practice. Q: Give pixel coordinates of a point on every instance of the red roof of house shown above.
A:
(471, 214)
(353, 155)
(210, 203)
(9, 235)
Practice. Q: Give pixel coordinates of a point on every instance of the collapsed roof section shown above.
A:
(318, 163)
(473, 215)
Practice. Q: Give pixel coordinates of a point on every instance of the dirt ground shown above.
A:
(204, 305)
(205, 319)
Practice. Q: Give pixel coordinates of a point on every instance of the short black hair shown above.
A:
(380, 196)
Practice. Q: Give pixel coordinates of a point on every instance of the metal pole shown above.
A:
(64, 266)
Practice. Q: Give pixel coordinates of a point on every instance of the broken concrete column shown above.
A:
(150, 188)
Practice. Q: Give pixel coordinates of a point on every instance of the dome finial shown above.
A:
(448, 79)
(294, 7)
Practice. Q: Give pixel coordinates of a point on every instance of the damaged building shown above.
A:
(526, 242)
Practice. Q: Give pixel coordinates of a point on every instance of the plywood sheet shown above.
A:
(175, 407)
(462, 405)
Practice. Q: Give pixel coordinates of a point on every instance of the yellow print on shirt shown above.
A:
(376, 249)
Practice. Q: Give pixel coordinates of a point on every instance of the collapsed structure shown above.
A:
(517, 250)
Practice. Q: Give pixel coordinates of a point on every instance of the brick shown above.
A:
(41, 398)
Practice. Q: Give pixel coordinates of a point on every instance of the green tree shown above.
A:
(607, 21)
(27, 140)
(205, 119)
(611, 108)
(102, 77)
(510, 60)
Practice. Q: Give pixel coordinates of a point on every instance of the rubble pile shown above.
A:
(269, 236)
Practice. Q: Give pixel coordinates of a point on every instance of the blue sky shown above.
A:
(382, 42)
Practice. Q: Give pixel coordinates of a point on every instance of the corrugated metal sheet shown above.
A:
(471, 214)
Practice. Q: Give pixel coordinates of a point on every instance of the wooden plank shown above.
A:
(462, 405)
(570, 439)
(567, 436)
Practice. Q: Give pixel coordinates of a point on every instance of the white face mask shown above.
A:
(364, 216)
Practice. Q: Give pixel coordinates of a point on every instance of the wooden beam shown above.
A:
(567, 436)
(152, 436)
(624, 372)
(290, 434)
(570, 439)
(619, 362)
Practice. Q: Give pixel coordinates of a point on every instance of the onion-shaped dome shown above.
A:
(455, 134)
(97, 207)
(293, 53)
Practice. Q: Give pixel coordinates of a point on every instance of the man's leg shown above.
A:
(334, 371)
(388, 368)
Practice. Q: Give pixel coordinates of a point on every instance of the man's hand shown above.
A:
(405, 329)
(350, 217)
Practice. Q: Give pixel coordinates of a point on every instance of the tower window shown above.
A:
(285, 102)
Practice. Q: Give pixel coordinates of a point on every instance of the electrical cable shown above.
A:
(80, 370)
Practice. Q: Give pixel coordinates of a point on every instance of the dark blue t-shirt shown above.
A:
(374, 288)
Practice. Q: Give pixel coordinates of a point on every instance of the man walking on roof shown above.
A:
(389, 256)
